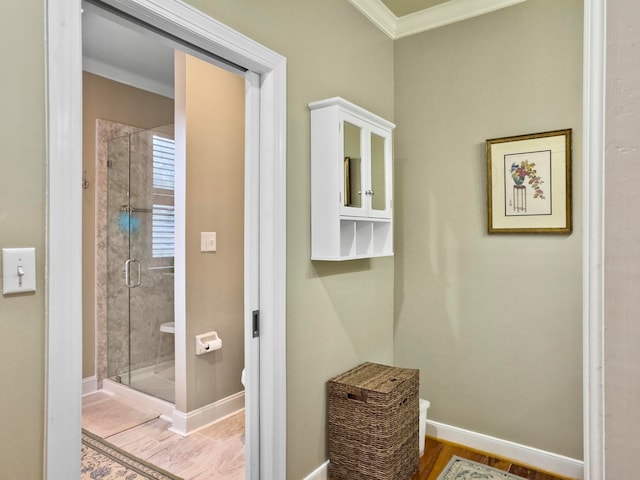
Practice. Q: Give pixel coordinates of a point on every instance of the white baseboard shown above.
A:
(320, 473)
(186, 423)
(89, 385)
(533, 457)
(539, 459)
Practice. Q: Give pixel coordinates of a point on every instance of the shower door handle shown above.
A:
(127, 273)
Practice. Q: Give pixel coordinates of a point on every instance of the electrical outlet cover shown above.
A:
(208, 241)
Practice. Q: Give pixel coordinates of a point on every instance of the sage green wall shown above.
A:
(622, 237)
(22, 224)
(338, 314)
(494, 322)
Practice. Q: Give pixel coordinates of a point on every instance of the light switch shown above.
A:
(207, 241)
(18, 270)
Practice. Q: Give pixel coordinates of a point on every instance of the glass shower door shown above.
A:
(145, 236)
(118, 230)
(149, 272)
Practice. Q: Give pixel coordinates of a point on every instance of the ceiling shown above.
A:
(400, 8)
(107, 51)
(107, 38)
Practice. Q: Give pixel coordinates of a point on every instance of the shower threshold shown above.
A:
(156, 381)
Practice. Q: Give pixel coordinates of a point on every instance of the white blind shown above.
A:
(164, 162)
(163, 233)
(163, 228)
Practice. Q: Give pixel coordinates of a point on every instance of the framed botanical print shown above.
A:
(529, 183)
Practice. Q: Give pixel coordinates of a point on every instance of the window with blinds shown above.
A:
(163, 219)
(164, 161)
(163, 231)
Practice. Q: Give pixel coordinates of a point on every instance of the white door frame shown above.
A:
(594, 67)
(266, 101)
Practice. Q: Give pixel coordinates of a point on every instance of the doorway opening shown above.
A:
(157, 190)
(264, 181)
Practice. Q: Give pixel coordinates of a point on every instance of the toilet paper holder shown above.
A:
(208, 342)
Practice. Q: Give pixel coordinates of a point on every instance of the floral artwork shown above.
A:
(519, 172)
(525, 178)
(529, 183)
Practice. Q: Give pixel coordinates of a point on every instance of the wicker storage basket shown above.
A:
(373, 423)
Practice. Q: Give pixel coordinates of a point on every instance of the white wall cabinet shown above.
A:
(351, 182)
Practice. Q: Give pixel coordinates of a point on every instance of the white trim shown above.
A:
(448, 13)
(199, 29)
(437, 16)
(187, 423)
(273, 254)
(105, 70)
(64, 260)
(320, 473)
(593, 237)
(89, 385)
(356, 110)
(63, 275)
(539, 459)
(252, 270)
(379, 14)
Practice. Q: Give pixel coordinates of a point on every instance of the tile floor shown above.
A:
(215, 452)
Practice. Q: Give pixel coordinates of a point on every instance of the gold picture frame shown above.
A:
(529, 183)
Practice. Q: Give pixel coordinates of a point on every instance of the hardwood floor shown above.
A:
(438, 453)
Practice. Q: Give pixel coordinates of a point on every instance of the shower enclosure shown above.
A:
(139, 261)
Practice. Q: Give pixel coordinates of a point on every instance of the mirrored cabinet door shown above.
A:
(378, 191)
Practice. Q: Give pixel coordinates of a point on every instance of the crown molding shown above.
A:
(427, 19)
(379, 14)
(127, 77)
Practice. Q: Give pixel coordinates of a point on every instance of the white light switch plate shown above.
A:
(208, 241)
(18, 270)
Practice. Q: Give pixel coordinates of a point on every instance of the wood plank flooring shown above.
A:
(215, 452)
(437, 454)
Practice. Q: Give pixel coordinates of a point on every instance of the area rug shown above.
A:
(463, 469)
(102, 461)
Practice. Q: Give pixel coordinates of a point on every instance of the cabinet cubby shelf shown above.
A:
(359, 219)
